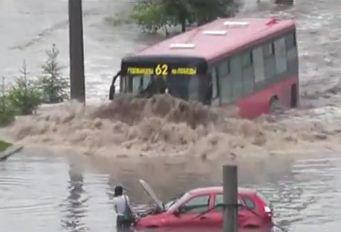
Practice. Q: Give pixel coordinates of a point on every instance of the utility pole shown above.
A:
(230, 186)
(77, 80)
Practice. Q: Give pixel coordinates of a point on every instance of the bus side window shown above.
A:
(269, 61)
(237, 79)
(292, 55)
(247, 72)
(258, 65)
(225, 87)
(281, 56)
(290, 41)
(215, 88)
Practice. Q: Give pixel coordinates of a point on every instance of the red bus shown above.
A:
(250, 63)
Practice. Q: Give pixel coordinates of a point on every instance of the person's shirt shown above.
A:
(120, 203)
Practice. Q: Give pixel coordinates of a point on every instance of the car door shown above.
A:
(217, 213)
(193, 213)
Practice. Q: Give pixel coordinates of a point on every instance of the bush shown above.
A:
(4, 145)
(6, 111)
(53, 86)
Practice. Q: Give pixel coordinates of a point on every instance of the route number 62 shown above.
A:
(161, 70)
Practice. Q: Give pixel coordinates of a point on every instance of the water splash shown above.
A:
(164, 125)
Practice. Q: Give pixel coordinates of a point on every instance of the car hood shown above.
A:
(152, 194)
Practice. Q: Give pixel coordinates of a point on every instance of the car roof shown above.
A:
(205, 44)
(219, 189)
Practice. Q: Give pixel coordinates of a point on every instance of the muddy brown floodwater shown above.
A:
(44, 191)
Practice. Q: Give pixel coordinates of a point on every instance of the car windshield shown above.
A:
(185, 87)
(177, 202)
(169, 204)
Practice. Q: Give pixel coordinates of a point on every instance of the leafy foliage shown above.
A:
(6, 111)
(153, 15)
(204, 11)
(25, 95)
(4, 145)
(149, 15)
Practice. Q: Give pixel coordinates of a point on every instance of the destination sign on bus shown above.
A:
(162, 70)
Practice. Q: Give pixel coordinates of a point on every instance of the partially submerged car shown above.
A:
(202, 209)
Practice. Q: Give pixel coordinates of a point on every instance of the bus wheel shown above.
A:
(274, 105)
(293, 99)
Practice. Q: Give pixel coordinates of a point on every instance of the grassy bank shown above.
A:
(4, 145)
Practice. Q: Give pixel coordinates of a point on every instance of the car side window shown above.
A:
(219, 203)
(199, 204)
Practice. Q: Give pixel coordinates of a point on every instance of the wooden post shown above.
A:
(77, 80)
(230, 185)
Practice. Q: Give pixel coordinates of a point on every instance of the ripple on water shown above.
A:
(309, 197)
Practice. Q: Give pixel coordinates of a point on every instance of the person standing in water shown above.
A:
(125, 217)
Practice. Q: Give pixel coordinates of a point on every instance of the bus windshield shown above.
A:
(180, 77)
(185, 87)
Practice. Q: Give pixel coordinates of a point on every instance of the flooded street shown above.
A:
(45, 193)
(28, 28)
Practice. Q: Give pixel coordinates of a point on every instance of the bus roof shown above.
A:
(219, 38)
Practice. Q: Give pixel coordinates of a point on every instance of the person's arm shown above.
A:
(131, 209)
(128, 201)
(115, 206)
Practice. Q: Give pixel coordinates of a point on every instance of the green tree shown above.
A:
(153, 15)
(204, 11)
(52, 84)
(149, 15)
(24, 97)
(179, 12)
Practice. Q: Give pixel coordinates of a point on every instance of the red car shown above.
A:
(201, 210)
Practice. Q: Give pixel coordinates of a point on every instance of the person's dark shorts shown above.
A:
(122, 225)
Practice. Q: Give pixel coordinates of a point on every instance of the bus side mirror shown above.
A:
(112, 86)
(112, 91)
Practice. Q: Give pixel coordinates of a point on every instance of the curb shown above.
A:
(10, 151)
